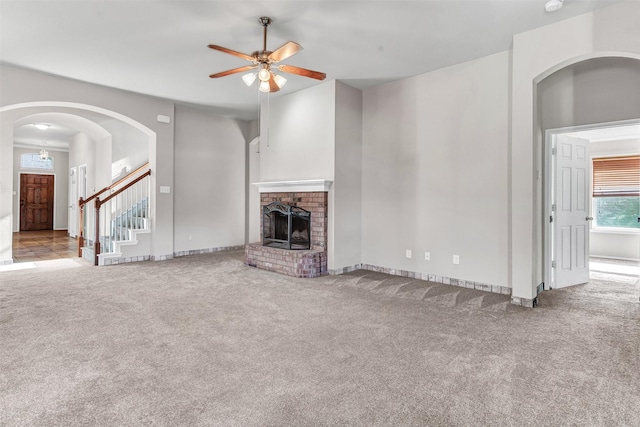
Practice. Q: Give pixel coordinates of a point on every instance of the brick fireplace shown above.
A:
(311, 196)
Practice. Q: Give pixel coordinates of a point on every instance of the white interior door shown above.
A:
(73, 202)
(82, 192)
(82, 181)
(571, 231)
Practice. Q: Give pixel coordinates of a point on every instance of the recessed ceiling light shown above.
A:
(42, 126)
(553, 5)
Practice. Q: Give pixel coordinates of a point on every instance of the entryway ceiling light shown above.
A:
(44, 154)
(553, 5)
(42, 126)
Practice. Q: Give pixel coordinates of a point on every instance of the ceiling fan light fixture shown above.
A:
(249, 78)
(264, 87)
(264, 74)
(553, 5)
(280, 81)
(42, 126)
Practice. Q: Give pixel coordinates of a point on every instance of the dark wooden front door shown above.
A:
(36, 202)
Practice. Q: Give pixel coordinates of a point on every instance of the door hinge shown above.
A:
(553, 264)
(553, 151)
(553, 207)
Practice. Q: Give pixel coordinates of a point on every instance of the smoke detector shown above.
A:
(553, 5)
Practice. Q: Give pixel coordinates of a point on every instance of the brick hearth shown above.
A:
(297, 263)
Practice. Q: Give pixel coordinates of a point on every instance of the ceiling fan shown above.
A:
(266, 61)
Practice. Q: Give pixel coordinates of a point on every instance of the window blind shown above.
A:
(616, 176)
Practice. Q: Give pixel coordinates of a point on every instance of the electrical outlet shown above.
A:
(427, 256)
(408, 253)
(456, 259)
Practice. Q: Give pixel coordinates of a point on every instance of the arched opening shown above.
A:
(93, 146)
(590, 104)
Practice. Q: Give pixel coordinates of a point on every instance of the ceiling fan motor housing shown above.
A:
(262, 56)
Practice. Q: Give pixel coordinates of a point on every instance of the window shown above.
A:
(616, 192)
(34, 161)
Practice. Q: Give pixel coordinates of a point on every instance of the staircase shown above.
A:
(121, 225)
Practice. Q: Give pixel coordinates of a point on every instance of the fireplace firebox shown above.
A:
(286, 227)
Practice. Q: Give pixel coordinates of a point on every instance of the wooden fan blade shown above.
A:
(273, 86)
(302, 72)
(235, 70)
(286, 50)
(232, 52)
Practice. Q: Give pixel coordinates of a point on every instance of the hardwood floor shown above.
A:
(43, 245)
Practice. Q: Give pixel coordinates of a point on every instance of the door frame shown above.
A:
(72, 222)
(17, 202)
(548, 189)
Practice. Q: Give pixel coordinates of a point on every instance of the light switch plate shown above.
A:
(165, 189)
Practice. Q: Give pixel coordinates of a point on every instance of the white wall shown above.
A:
(435, 172)
(129, 148)
(345, 203)
(253, 199)
(60, 186)
(598, 90)
(298, 135)
(209, 187)
(82, 151)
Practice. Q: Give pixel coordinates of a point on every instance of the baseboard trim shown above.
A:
(614, 258)
(208, 250)
(338, 271)
(114, 261)
(525, 302)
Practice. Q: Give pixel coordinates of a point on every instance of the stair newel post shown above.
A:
(80, 226)
(96, 243)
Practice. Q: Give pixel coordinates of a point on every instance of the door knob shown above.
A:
(589, 218)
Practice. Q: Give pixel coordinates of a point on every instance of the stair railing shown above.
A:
(82, 202)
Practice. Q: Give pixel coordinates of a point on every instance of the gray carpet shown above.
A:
(205, 340)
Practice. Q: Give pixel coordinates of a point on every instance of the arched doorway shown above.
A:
(105, 145)
(593, 103)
